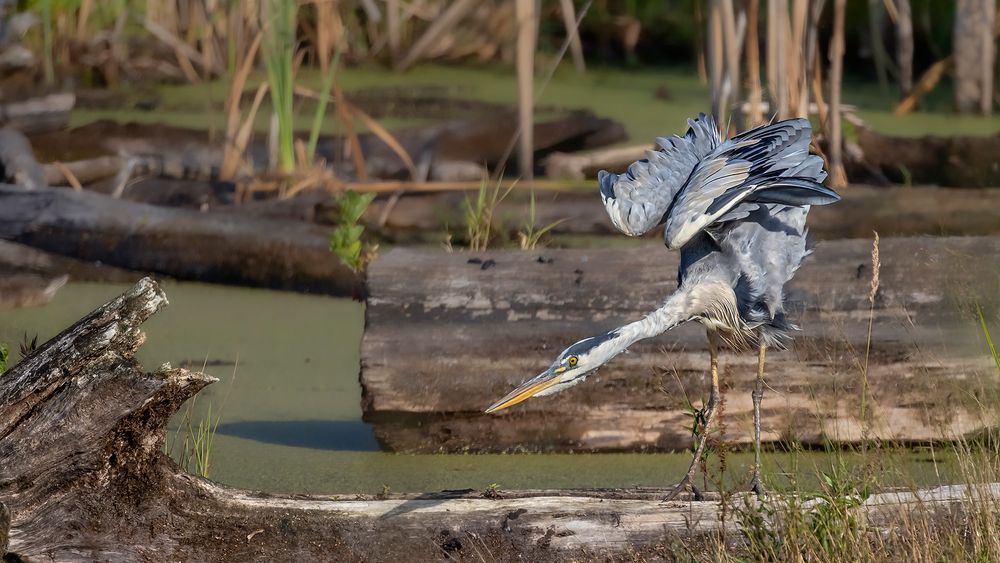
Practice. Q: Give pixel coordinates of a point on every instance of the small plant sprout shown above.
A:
(530, 235)
(493, 491)
(480, 223)
(345, 239)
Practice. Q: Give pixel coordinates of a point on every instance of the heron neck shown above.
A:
(666, 317)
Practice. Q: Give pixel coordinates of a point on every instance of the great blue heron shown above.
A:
(736, 209)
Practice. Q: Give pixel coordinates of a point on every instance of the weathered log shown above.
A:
(85, 171)
(447, 335)
(17, 162)
(956, 161)
(37, 115)
(180, 243)
(891, 211)
(85, 478)
(181, 153)
(585, 164)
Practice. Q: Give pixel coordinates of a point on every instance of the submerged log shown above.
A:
(449, 333)
(85, 478)
(179, 243)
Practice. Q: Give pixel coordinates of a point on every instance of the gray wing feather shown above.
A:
(739, 167)
(638, 200)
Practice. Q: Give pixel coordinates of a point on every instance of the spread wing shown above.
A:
(770, 164)
(639, 199)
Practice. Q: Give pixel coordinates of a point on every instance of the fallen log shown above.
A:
(891, 211)
(85, 478)
(449, 333)
(956, 161)
(179, 243)
(37, 115)
(586, 164)
(85, 171)
(186, 154)
(17, 162)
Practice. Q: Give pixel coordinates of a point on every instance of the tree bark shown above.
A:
(752, 53)
(85, 479)
(489, 323)
(973, 51)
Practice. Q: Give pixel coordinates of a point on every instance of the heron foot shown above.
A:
(685, 485)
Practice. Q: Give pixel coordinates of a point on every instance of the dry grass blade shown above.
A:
(344, 115)
(928, 80)
(70, 177)
(239, 144)
(186, 55)
(385, 136)
(231, 154)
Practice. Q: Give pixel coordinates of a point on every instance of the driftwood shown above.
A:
(179, 243)
(85, 478)
(586, 164)
(449, 333)
(956, 161)
(36, 115)
(17, 162)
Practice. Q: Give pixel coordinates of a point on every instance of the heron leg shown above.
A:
(713, 399)
(756, 485)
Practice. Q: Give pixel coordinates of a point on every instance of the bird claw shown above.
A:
(684, 485)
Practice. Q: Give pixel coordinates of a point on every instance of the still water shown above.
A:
(289, 401)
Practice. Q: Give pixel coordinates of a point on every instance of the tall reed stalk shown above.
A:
(48, 65)
(324, 97)
(279, 58)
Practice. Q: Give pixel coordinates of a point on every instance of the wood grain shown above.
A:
(447, 334)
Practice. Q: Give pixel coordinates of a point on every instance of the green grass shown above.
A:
(628, 96)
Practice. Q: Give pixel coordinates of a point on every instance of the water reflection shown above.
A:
(338, 435)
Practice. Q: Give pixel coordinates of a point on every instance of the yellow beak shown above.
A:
(527, 390)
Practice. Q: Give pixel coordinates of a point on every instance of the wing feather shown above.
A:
(638, 200)
(775, 156)
(698, 180)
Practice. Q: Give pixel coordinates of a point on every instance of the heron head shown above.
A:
(572, 366)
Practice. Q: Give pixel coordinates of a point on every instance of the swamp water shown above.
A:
(291, 415)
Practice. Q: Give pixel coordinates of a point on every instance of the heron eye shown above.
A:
(573, 360)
